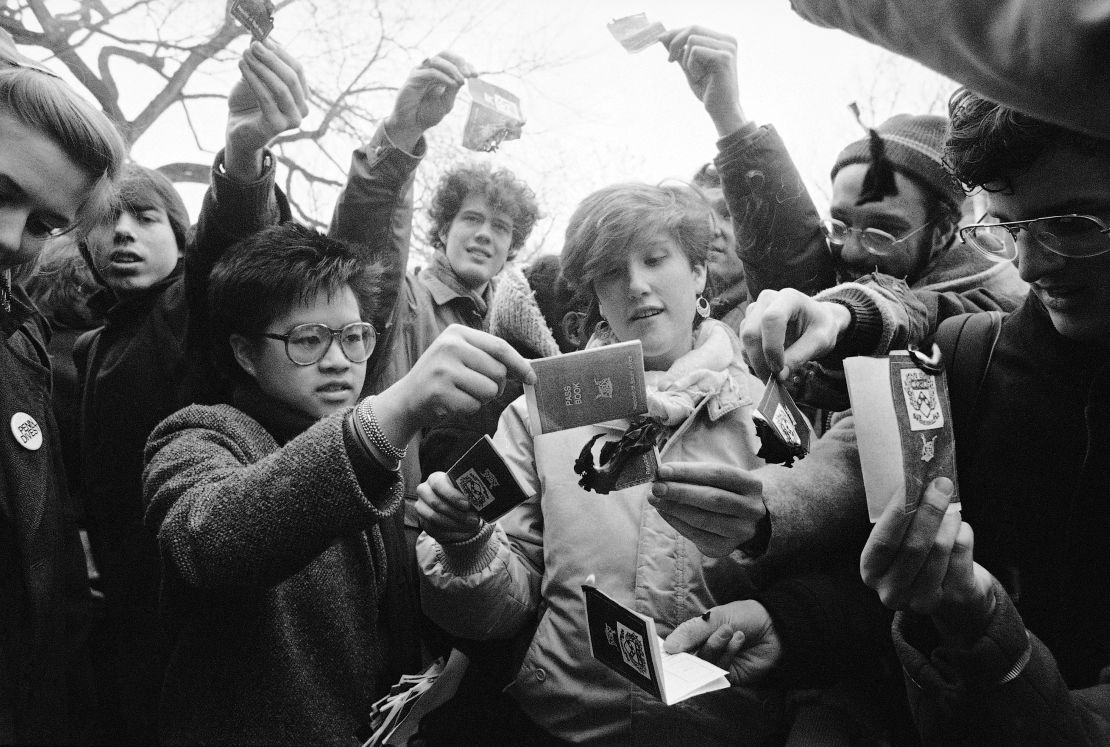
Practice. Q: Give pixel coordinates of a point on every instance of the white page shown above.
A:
(685, 675)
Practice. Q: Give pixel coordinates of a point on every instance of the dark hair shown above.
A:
(707, 177)
(280, 268)
(606, 225)
(501, 188)
(989, 143)
(136, 188)
(48, 105)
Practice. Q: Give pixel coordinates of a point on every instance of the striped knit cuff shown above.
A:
(472, 556)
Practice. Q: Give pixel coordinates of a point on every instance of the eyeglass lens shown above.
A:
(309, 343)
(872, 239)
(1070, 236)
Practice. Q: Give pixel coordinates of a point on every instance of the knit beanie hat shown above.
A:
(137, 186)
(912, 144)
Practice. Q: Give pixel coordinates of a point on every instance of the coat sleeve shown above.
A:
(778, 231)
(231, 211)
(1003, 688)
(489, 587)
(1047, 59)
(228, 515)
(375, 209)
(819, 505)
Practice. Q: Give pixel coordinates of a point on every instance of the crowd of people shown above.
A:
(224, 508)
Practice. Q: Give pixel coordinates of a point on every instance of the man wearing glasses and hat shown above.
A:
(1032, 471)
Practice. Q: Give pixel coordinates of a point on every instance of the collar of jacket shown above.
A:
(105, 303)
(22, 309)
(445, 286)
(279, 419)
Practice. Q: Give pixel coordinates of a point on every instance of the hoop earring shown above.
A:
(703, 307)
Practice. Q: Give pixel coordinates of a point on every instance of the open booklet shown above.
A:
(626, 642)
(903, 423)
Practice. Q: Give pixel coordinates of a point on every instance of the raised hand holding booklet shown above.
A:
(903, 422)
(482, 475)
(626, 642)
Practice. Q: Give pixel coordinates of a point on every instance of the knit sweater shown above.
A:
(282, 569)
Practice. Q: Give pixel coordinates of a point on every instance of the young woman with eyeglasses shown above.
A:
(278, 515)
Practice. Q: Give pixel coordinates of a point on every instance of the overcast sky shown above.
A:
(608, 116)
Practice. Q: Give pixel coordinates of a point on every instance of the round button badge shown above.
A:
(27, 432)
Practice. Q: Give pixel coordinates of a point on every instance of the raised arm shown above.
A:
(241, 199)
(375, 206)
(778, 232)
(1047, 59)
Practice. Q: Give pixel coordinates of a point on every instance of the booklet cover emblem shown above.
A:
(903, 427)
(587, 387)
(482, 475)
(626, 642)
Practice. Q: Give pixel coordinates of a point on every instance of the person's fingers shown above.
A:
(717, 524)
(926, 590)
(688, 635)
(815, 342)
(904, 548)
(282, 80)
(457, 63)
(434, 80)
(516, 365)
(774, 324)
(751, 335)
(261, 91)
(297, 82)
(716, 647)
(438, 491)
(961, 566)
(884, 541)
(734, 646)
(715, 474)
(676, 45)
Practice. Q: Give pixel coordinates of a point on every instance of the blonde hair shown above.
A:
(49, 105)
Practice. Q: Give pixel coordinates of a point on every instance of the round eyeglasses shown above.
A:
(1074, 235)
(307, 344)
(872, 239)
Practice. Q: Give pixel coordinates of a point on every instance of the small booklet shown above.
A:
(494, 116)
(903, 423)
(636, 33)
(257, 16)
(784, 432)
(483, 476)
(626, 642)
(587, 387)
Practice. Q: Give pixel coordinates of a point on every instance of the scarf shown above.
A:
(442, 271)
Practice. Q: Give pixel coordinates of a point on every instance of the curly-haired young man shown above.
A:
(480, 218)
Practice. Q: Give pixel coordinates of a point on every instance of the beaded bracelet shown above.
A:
(373, 431)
